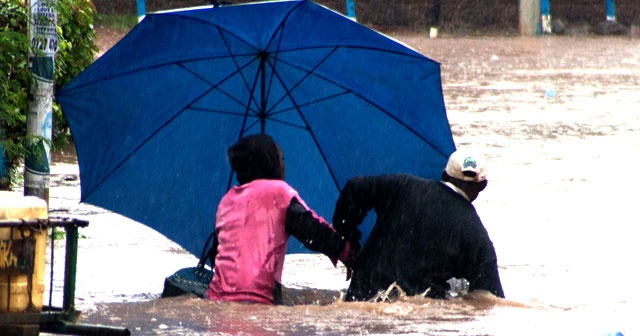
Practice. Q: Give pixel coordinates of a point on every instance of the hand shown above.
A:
(351, 253)
(352, 257)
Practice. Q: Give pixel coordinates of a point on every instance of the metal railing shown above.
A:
(50, 319)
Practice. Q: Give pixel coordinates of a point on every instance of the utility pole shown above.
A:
(434, 18)
(529, 17)
(44, 44)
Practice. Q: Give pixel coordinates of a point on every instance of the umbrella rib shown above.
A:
(272, 119)
(251, 99)
(278, 32)
(220, 29)
(202, 109)
(276, 57)
(239, 70)
(310, 72)
(287, 123)
(311, 102)
(347, 90)
(214, 86)
(153, 134)
(417, 55)
(250, 89)
(135, 150)
(307, 74)
(150, 67)
(304, 120)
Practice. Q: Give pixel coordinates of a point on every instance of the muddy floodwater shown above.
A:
(558, 119)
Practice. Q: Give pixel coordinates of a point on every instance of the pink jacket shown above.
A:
(250, 225)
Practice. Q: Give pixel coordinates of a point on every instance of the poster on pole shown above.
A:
(44, 44)
(43, 33)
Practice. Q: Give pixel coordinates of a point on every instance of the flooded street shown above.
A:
(558, 118)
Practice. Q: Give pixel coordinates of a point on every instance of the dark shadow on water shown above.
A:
(321, 297)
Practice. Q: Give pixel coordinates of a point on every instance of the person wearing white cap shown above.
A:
(466, 174)
(426, 232)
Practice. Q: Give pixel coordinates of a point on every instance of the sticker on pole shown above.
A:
(43, 33)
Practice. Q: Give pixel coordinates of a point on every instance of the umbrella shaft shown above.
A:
(263, 95)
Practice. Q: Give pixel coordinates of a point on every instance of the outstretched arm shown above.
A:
(359, 196)
(352, 207)
(315, 234)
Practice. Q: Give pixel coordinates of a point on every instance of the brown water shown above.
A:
(558, 119)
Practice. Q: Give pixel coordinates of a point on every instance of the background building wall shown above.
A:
(456, 16)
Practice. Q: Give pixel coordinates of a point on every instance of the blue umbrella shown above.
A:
(153, 117)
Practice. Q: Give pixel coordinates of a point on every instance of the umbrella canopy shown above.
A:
(153, 117)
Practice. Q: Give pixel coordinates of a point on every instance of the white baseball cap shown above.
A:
(466, 166)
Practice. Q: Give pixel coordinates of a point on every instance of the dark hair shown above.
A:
(255, 157)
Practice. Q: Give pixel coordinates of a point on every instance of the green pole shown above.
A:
(70, 269)
(44, 44)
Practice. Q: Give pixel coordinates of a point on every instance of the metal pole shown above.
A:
(142, 11)
(44, 44)
(611, 10)
(263, 93)
(529, 17)
(70, 268)
(434, 18)
(351, 9)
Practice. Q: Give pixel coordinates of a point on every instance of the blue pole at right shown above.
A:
(611, 10)
(545, 11)
(351, 9)
(142, 10)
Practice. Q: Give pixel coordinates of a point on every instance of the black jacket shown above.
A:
(425, 234)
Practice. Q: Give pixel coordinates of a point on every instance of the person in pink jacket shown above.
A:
(254, 221)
